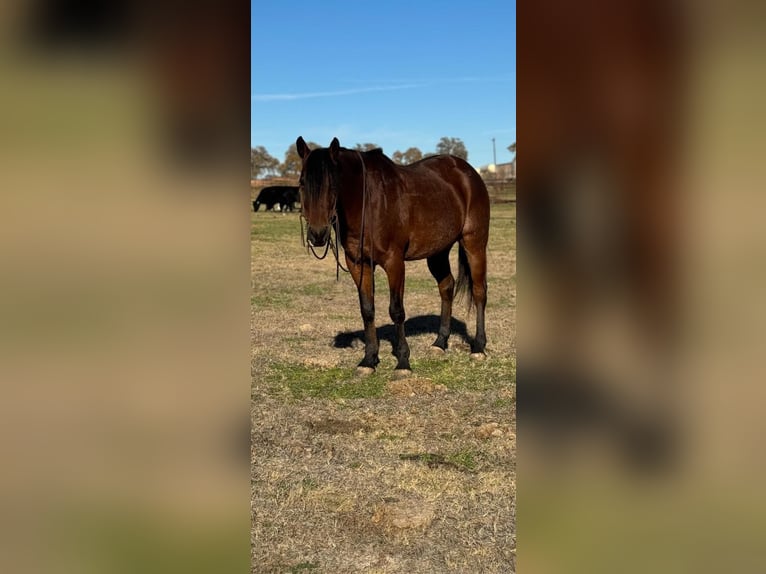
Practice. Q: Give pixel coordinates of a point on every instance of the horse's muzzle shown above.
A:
(319, 237)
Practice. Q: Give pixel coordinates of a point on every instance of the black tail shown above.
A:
(464, 283)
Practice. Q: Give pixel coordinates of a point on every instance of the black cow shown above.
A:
(284, 195)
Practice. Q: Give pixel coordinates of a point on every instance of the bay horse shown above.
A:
(385, 214)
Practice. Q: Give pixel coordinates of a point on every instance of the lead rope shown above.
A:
(335, 222)
(310, 247)
(364, 212)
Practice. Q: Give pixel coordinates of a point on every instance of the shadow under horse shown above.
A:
(385, 214)
(419, 325)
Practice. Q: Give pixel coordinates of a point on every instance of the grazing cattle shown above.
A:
(384, 214)
(283, 195)
(290, 196)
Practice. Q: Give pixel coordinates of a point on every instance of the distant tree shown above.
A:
(291, 167)
(512, 148)
(412, 155)
(261, 162)
(452, 146)
(365, 146)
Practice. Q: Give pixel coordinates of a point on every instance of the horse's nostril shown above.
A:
(319, 238)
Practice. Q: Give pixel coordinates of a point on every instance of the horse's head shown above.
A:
(318, 189)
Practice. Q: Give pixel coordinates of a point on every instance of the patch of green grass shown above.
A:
(460, 372)
(503, 403)
(271, 299)
(313, 382)
(309, 483)
(271, 226)
(464, 459)
(286, 295)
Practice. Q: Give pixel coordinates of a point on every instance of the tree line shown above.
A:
(263, 163)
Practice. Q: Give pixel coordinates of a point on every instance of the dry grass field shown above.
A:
(373, 475)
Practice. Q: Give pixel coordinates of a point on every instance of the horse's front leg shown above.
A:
(395, 272)
(362, 273)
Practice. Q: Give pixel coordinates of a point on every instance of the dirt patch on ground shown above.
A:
(411, 513)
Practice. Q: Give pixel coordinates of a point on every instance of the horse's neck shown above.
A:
(354, 186)
(354, 194)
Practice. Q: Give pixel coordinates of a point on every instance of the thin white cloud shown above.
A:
(306, 95)
(398, 85)
(451, 80)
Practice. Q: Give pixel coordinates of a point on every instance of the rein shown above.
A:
(335, 224)
(364, 213)
(310, 247)
(334, 219)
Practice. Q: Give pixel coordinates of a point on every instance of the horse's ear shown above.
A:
(334, 150)
(303, 149)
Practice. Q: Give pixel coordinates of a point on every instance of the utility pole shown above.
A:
(494, 155)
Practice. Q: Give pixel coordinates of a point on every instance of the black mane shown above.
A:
(318, 170)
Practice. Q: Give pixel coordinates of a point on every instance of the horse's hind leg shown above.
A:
(475, 246)
(439, 267)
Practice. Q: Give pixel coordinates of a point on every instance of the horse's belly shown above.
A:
(434, 242)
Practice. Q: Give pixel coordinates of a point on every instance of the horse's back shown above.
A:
(445, 198)
(466, 182)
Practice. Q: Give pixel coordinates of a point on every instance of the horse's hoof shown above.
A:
(402, 374)
(364, 371)
(436, 350)
(478, 356)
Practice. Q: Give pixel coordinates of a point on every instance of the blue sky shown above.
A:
(394, 73)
